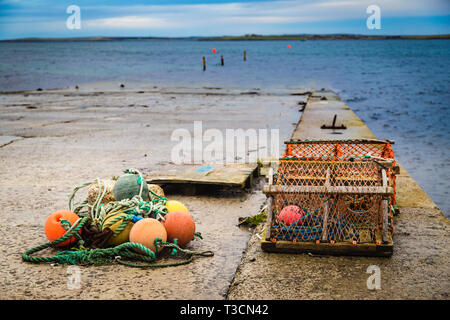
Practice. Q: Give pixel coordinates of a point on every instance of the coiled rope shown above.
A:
(126, 210)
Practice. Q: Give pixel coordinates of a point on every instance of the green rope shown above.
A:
(124, 209)
(125, 218)
(128, 251)
(198, 234)
(94, 209)
(175, 248)
(96, 214)
(137, 206)
(69, 234)
(69, 227)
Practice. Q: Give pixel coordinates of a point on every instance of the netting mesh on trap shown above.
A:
(345, 150)
(328, 201)
(339, 149)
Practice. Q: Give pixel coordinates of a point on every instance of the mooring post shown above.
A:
(221, 60)
(245, 55)
(333, 125)
(204, 63)
(334, 121)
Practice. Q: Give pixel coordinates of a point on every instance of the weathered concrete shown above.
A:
(68, 137)
(410, 194)
(322, 106)
(418, 269)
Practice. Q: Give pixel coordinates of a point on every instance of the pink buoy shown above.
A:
(291, 214)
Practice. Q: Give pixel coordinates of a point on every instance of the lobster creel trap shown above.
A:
(332, 204)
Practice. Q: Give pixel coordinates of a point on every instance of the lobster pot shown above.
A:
(332, 202)
(329, 217)
(357, 149)
(379, 151)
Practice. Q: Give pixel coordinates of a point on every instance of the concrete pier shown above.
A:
(53, 140)
(418, 269)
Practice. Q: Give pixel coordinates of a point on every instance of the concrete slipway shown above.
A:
(418, 269)
(53, 140)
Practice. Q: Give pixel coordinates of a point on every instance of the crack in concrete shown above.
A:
(17, 138)
(59, 122)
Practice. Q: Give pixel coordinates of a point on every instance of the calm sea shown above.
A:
(400, 88)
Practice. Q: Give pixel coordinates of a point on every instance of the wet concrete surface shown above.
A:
(52, 141)
(418, 269)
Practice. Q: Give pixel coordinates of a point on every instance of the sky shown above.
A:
(182, 18)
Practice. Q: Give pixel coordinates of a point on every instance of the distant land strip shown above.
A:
(247, 37)
(256, 37)
(94, 39)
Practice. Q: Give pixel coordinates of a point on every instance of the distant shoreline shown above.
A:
(323, 37)
(252, 37)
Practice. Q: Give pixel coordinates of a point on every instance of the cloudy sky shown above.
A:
(47, 18)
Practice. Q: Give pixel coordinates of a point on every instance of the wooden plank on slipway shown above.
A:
(233, 175)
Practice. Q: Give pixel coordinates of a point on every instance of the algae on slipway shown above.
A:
(253, 221)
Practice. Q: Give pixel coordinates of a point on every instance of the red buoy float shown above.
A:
(146, 230)
(291, 214)
(214, 50)
(179, 225)
(54, 229)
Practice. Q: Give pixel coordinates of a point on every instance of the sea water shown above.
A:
(400, 88)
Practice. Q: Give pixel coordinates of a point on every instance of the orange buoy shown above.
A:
(179, 225)
(146, 230)
(54, 229)
(214, 50)
(289, 46)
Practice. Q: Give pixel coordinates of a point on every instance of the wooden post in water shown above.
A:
(204, 64)
(221, 60)
(245, 55)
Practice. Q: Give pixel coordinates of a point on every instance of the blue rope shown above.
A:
(312, 233)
